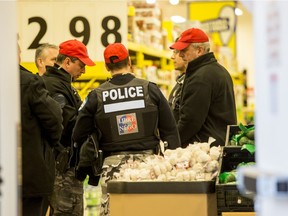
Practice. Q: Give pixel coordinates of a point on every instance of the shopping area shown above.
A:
(148, 30)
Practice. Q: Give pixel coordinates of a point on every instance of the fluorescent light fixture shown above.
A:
(174, 2)
(150, 1)
(178, 19)
(238, 12)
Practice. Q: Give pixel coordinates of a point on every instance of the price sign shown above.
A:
(96, 24)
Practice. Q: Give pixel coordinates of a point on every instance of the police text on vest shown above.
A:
(123, 93)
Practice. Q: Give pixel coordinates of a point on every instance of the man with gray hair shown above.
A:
(207, 103)
(45, 55)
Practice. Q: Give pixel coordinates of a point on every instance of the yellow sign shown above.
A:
(218, 20)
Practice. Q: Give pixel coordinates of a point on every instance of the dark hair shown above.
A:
(61, 58)
(118, 65)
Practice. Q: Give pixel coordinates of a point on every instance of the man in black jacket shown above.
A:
(67, 198)
(175, 94)
(131, 116)
(207, 103)
(41, 128)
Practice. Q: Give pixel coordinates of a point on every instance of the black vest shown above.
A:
(126, 116)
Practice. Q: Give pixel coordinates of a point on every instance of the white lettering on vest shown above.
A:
(131, 92)
(113, 94)
(105, 94)
(139, 90)
(122, 93)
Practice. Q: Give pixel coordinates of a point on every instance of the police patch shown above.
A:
(127, 123)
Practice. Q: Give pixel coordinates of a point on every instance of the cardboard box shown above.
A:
(162, 198)
(238, 214)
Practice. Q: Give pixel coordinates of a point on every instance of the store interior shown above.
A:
(258, 45)
(150, 30)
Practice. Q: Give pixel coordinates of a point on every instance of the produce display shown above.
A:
(196, 162)
(245, 136)
(231, 176)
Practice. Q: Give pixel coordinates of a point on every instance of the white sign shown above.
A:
(96, 24)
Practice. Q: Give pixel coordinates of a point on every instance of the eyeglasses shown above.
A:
(184, 50)
(81, 64)
(175, 52)
(76, 60)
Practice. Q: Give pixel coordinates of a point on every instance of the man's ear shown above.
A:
(67, 61)
(40, 62)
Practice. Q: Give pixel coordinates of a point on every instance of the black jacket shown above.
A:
(85, 124)
(58, 83)
(175, 96)
(207, 103)
(41, 130)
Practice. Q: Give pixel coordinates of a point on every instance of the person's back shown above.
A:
(41, 131)
(130, 116)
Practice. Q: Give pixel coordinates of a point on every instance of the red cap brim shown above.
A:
(179, 45)
(87, 61)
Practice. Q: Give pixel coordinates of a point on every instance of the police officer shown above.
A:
(67, 197)
(131, 115)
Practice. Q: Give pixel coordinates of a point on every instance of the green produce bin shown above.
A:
(229, 198)
(152, 198)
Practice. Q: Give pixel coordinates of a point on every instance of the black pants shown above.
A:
(34, 206)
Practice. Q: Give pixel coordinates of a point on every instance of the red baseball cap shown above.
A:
(116, 50)
(75, 48)
(193, 35)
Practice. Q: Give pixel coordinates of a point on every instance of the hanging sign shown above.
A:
(219, 22)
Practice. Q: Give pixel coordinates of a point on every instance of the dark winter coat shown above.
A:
(175, 96)
(58, 83)
(207, 104)
(41, 128)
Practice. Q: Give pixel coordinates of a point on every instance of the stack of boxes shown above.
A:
(145, 24)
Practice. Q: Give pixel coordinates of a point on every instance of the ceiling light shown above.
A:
(238, 12)
(174, 2)
(150, 1)
(178, 19)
